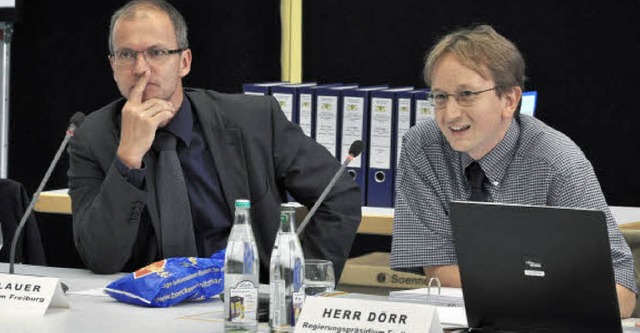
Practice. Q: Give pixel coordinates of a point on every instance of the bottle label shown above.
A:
(298, 301)
(277, 306)
(243, 302)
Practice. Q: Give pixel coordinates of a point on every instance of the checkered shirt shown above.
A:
(533, 164)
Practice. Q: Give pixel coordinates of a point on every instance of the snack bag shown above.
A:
(171, 281)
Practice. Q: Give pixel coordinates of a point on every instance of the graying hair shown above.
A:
(179, 24)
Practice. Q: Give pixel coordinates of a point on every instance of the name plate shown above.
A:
(20, 294)
(335, 314)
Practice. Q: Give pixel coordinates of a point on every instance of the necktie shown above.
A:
(178, 239)
(476, 178)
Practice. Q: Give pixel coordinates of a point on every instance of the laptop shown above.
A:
(534, 268)
(528, 103)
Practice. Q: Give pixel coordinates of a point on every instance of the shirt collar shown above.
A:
(182, 123)
(495, 162)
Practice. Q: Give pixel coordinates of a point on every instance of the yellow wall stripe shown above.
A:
(291, 50)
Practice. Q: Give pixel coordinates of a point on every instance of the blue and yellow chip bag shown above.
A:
(170, 281)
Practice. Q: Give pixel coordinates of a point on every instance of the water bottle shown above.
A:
(286, 274)
(241, 269)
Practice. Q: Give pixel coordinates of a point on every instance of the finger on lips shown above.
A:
(138, 89)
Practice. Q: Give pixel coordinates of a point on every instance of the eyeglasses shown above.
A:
(464, 98)
(153, 56)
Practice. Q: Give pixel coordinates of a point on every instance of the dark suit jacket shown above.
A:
(13, 203)
(258, 154)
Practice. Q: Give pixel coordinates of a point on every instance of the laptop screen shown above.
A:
(535, 269)
(528, 105)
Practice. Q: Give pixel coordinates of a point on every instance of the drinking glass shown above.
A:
(318, 276)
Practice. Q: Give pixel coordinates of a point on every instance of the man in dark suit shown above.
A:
(229, 147)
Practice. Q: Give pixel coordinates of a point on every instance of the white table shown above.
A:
(104, 314)
(97, 314)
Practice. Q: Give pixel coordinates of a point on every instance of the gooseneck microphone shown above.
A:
(354, 151)
(75, 122)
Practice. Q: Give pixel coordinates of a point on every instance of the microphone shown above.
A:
(354, 151)
(75, 122)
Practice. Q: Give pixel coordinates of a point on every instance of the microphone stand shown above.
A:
(14, 242)
(307, 218)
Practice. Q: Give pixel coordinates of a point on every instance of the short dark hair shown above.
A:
(179, 24)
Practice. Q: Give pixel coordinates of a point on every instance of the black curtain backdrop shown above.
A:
(582, 60)
(59, 66)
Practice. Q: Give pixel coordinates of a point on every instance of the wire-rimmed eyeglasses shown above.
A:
(464, 98)
(152, 55)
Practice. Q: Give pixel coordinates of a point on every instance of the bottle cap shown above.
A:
(243, 203)
(289, 206)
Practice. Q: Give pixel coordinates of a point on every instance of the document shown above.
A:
(444, 296)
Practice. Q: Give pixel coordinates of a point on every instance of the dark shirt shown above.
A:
(211, 218)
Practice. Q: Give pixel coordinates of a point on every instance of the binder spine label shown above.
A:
(423, 110)
(404, 122)
(380, 148)
(305, 113)
(286, 104)
(352, 120)
(327, 122)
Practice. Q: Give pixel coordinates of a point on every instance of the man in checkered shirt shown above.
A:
(524, 160)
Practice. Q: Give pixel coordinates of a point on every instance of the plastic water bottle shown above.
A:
(241, 269)
(286, 274)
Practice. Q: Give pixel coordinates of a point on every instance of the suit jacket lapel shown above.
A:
(225, 145)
